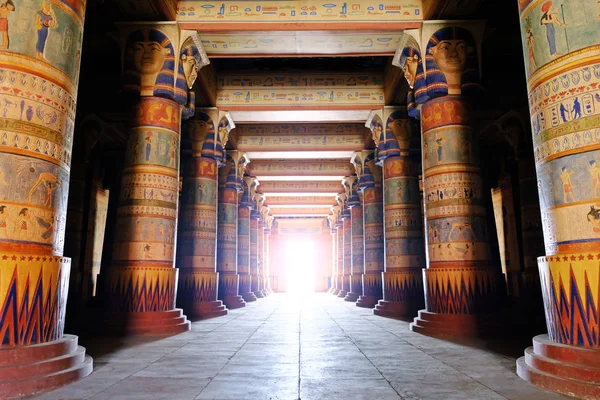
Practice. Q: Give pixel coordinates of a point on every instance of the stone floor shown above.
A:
(319, 347)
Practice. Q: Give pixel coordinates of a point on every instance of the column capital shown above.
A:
(369, 174)
(208, 131)
(433, 76)
(239, 160)
(172, 71)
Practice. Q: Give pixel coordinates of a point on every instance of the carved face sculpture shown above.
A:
(148, 57)
(190, 69)
(410, 69)
(451, 56)
(402, 128)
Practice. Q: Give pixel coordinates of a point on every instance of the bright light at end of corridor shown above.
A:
(300, 266)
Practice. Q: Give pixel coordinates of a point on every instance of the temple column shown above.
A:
(255, 286)
(245, 280)
(562, 83)
(357, 245)
(262, 226)
(347, 249)
(332, 231)
(369, 176)
(339, 256)
(227, 232)
(267, 255)
(140, 285)
(462, 282)
(39, 91)
(199, 280)
(398, 150)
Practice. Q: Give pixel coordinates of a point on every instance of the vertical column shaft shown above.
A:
(460, 280)
(245, 285)
(142, 277)
(227, 245)
(339, 257)
(347, 254)
(260, 254)
(562, 84)
(198, 283)
(255, 286)
(374, 246)
(358, 253)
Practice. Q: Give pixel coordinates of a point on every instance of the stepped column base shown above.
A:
(170, 322)
(26, 370)
(395, 309)
(233, 302)
(259, 294)
(569, 370)
(335, 291)
(367, 301)
(470, 325)
(352, 297)
(249, 297)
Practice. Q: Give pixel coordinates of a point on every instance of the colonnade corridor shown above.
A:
(319, 348)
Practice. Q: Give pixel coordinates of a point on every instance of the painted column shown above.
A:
(39, 90)
(262, 225)
(255, 286)
(197, 291)
(333, 219)
(245, 285)
(369, 176)
(398, 150)
(276, 257)
(462, 282)
(347, 250)
(339, 228)
(358, 239)
(140, 284)
(332, 231)
(267, 256)
(227, 236)
(563, 77)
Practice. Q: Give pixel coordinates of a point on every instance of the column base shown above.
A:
(352, 297)
(249, 297)
(26, 370)
(335, 291)
(342, 293)
(265, 292)
(469, 325)
(208, 309)
(259, 294)
(569, 370)
(394, 309)
(170, 322)
(367, 301)
(233, 302)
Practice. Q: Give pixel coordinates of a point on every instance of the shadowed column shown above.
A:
(462, 282)
(39, 92)
(245, 286)
(140, 285)
(254, 217)
(199, 280)
(227, 236)
(333, 232)
(562, 83)
(358, 239)
(339, 228)
(404, 242)
(262, 247)
(347, 250)
(369, 176)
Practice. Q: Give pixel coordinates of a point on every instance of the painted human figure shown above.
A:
(595, 172)
(549, 18)
(6, 7)
(44, 20)
(22, 226)
(565, 177)
(576, 108)
(530, 44)
(148, 147)
(439, 141)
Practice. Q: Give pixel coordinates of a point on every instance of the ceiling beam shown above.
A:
(297, 169)
(268, 187)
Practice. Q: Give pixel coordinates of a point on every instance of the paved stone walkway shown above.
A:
(319, 347)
